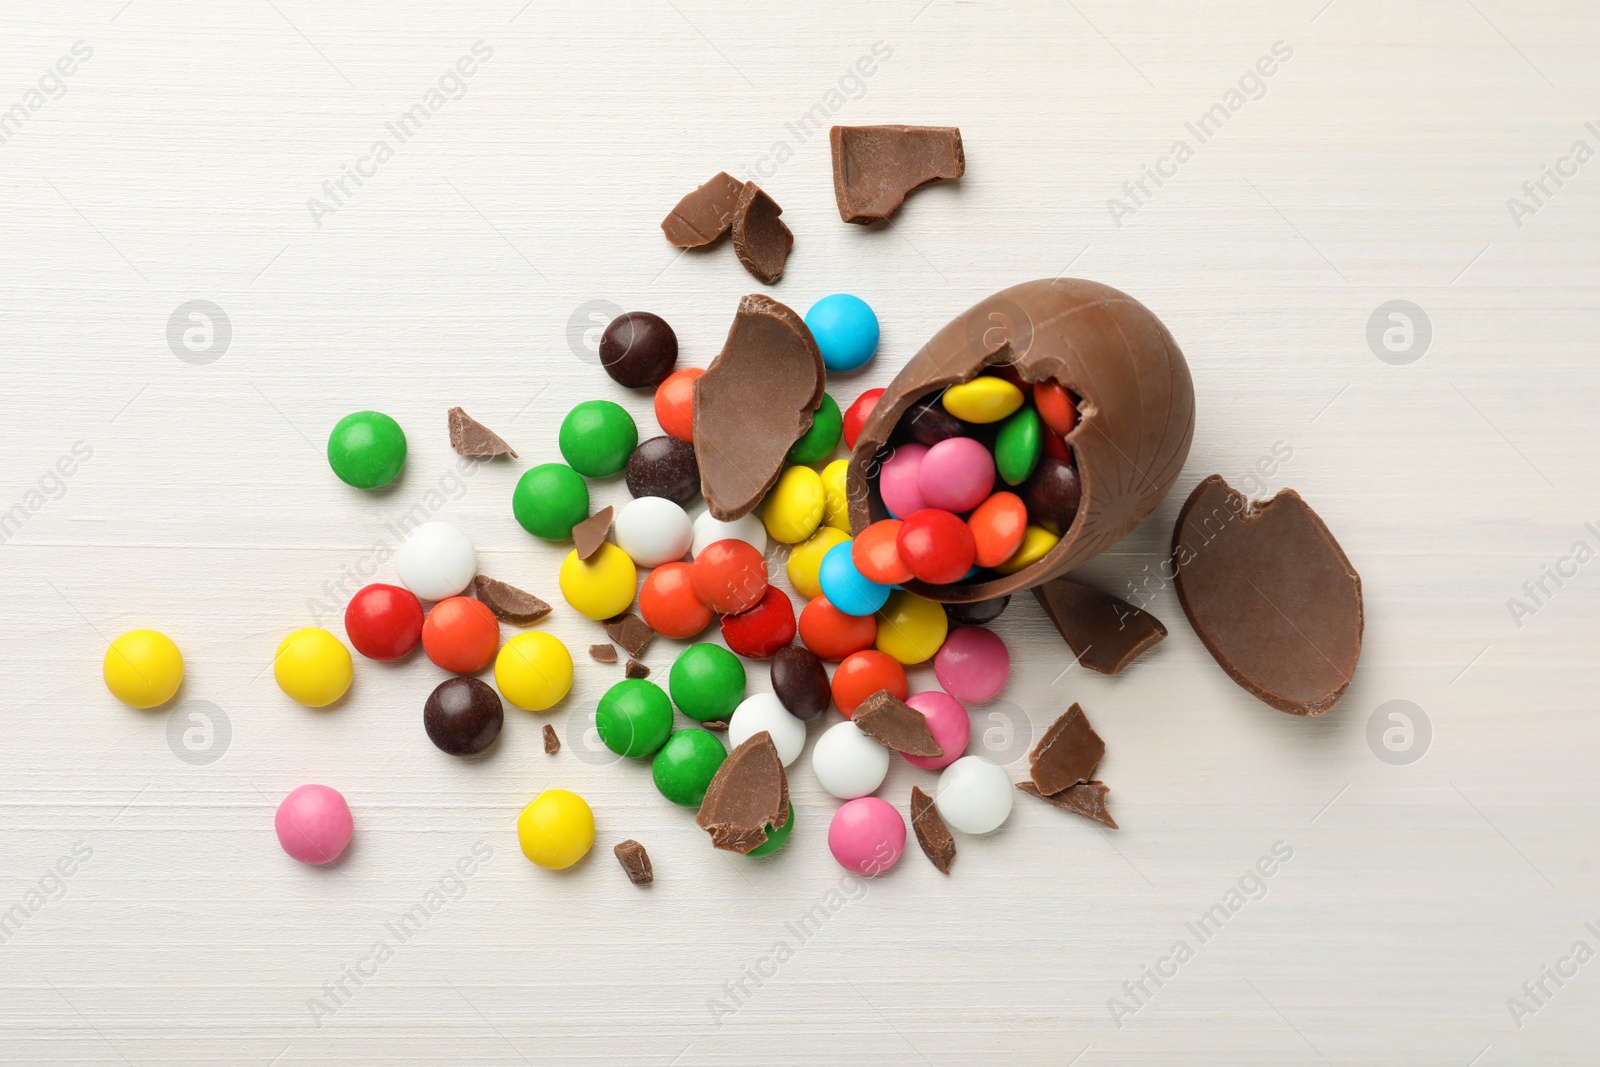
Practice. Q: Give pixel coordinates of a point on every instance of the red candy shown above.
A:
(937, 546)
(729, 576)
(384, 622)
(876, 555)
(998, 525)
(1055, 447)
(1055, 407)
(461, 635)
(765, 628)
(675, 403)
(667, 602)
(863, 674)
(831, 634)
(856, 416)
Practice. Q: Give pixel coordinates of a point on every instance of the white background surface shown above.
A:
(1377, 167)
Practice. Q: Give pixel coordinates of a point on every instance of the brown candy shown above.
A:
(705, 214)
(629, 631)
(552, 743)
(635, 861)
(928, 423)
(1053, 492)
(978, 612)
(1086, 798)
(800, 682)
(509, 603)
(1067, 754)
(874, 167)
(896, 725)
(664, 466)
(590, 534)
(469, 437)
(638, 349)
(749, 792)
(1103, 631)
(603, 653)
(938, 844)
(760, 239)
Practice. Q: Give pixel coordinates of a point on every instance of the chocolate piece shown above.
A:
(638, 350)
(1271, 594)
(716, 724)
(1135, 422)
(509, 603)
(603, 653)
(635, 669)
(1067, 754)
(636, 861)
(896, 725)
(928, 423)
(463, 716)
(705, 214)
(874, 167)
(752, 404)
(1104, 632)
(629, 631)
(552, 743)
(977, 613)
(800, 682)
(932, 834)
(760, 239)
(1086, 798)
(1053, 492)
(749, 793)
(590, 534)
(469, 437)
(666, 467)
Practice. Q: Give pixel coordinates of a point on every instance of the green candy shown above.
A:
(550, 500)
(684, 767)
(775, 838)
(597, 437)
(707, 682)
(367, 449)
(827, 426)
(634, 717)
(1018, 446)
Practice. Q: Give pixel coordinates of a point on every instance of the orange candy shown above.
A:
(831, 634)
(1055, 407)
(863, 674)
(998, 525)
(461, 635)
(877, 556)
(729, 576)
(675, 403)
(667, 602)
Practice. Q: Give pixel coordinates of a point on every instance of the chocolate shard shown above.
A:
(635, 669)
(1271, 594)
(469, 437)
(749, 792)
(590, 534)
(753, 403)
(938, 844)
(760, 239)
(509, 603)
(1067, 754)
(704, 214)
(629, 631)
(636, 861)
(716, 724)
(896, 725)
(552, 743)
(874, 167)
(605, 652)
(1086, 798)
(1105, 633)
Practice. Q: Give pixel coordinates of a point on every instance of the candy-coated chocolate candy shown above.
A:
(653, 530)
(876, 555)
(846, 587)
(436, 561)
(384, 622)
(685, 765)
(668, 604)
(764, 711)
(708, 530)
(974, 795)
(936, 546)
(978, 612)
(973, 664)
(997, 526)
(664, 466)
(314, 824)
(597, 437)
(550, 500)
(312, 667)
(856, 414)
(1018, 446)
(707, 683)
(867, 836)
(984, 399)
(367, 449)
(1036, 543)
(929, 423)
(675, 403)
(910, 628)
(461, 635)
(800, 682)
(1055, 447)
(835, 495)
(1055, 407)
(533, 670)
(765, 628)
(805, 560)
(846, 331)
(898, 481)
(776, 837)
(143, 668)
(1053, 493)
(556, 830)
(848, 763)
(729, 576)
(833, 635)
(955, 475)
(463, 716)
(602, 585)
(638, 349)
(947, 722)
(634, 717)
(864, 673)
(818, 443)
(793, 509)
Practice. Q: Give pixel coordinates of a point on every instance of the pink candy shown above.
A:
(956, 475)
(897, 483)
(867, 836)
(314, 824)
(948, 722)
(972, 664)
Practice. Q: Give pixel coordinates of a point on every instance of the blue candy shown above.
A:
(847, 588)
(846, 330)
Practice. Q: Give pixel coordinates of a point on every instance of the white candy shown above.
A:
(708, 530)
(766, 712)
(437, 561)
(974, 795)
(847, 762)
(653, 530)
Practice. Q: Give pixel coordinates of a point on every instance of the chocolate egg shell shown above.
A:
(1136, 411)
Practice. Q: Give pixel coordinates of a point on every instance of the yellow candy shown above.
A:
(835, 502)
(557, 829)
(312, 667)
(600, 586)
(983, 399)
(143, 668)
(533, 670)
(793, 509)
(911, 629)
(1036, 542)
(805, 561)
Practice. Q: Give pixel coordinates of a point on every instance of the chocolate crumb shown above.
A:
(552, 743)
(760, 238)
(1105, 632)
(469, 437)
(1067, 754)
(629, 631)
(874, 167)
(635, 669)
(603, 653)
(715, 724)
(636, 861)
(896, 725)
(704, 214)
(935, 838)
(1086, 798)
(509, 603)
(590, 534)
(749, 792)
